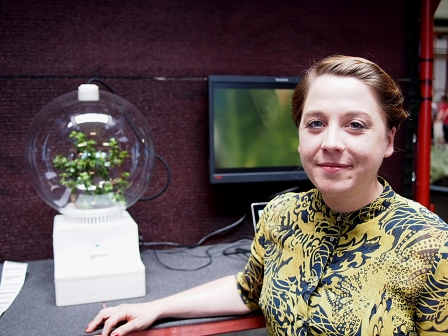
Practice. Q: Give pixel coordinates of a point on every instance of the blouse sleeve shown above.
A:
(250, 279)
(432, 307)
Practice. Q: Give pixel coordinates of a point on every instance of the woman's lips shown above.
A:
(330, 167)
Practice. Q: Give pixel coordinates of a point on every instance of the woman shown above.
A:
(442, 116)
(350, 257)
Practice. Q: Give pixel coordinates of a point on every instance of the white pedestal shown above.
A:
(98, 261)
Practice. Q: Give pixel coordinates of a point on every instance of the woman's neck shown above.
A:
(344, 203)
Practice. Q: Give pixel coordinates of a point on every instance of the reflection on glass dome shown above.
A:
(89, 150)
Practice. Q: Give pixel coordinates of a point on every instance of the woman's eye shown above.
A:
(315, 124)
(356, 125)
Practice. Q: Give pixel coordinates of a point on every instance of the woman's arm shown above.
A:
(441, 115)
(215, 298)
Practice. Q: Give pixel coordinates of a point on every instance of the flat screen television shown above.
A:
(252, 135)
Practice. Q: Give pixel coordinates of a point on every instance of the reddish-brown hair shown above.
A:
(387, 92)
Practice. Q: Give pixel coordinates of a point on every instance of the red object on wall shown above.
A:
(425, 120)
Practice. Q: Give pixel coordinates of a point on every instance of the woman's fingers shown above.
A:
(125, 328)
(136, 316)
(102, 316)
(115, 316)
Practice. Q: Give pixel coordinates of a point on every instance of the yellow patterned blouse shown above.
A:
(382, 270)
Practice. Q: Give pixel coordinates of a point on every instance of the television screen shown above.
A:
(252, 135)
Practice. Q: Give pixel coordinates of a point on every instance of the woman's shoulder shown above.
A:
(412, 212)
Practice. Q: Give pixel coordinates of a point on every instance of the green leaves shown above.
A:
(89, 169)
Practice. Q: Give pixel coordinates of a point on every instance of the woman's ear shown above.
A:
(390, 142)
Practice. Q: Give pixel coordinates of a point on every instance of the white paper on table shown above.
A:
(13, 277)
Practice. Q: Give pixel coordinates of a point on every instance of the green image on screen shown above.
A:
(253, 128)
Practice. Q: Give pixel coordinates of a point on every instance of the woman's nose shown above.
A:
(332, 140)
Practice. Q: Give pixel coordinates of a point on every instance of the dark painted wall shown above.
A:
(157, 55)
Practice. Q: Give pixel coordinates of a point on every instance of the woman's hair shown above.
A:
(387, 92)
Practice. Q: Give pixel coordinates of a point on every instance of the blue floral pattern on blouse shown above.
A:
(381, 270)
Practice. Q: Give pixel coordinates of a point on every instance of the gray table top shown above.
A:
(34, 311)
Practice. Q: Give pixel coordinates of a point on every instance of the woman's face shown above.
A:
(343, 140)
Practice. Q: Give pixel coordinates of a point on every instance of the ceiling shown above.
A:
(441, 17)
(442, 10)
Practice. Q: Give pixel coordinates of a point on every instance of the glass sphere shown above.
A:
(89, 149)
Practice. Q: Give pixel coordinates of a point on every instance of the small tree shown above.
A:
(89, 169)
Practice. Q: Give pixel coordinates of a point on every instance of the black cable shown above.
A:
(134, 129)
(208, 255)
(101, 82)
(202, 240)
(167, 183)
(209, 262)
(224, 229)
(237, 251)
(214, 233)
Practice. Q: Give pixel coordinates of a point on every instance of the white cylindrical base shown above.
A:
(97, 262)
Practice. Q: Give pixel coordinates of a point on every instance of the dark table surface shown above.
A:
(34, 311)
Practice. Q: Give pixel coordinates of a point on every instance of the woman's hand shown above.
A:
(138, 316)
(216, 298)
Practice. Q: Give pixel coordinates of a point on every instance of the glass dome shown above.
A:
(89, 149)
